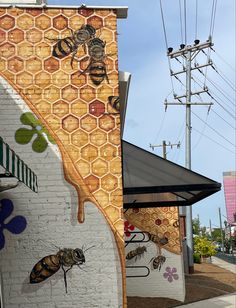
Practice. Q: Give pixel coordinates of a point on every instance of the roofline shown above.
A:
(121, 11)
(170, 162)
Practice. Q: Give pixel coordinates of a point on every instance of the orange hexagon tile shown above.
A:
(79, 108)
(7, 22)
(7, 50)
(16, 36)
(98, 137)
(100, 167)
(43, 22)
(43, 50)
(106, 122)
(42, 79)
(60, 22)
(25, 50)
(60, 108)
(69, 93)
(16, 64)
(88, 123)
(79, 138)
(25, 22)
(70, 123)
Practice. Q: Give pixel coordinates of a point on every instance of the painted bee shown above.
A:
(114, 101)
(161, 241)
(70, 44)
(176, 224)
(135, 253)
(158, 261)
(97, 67)
(49, 265)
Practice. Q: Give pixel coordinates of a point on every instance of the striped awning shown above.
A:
(16, 167)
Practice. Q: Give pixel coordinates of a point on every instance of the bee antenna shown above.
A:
(88, 248)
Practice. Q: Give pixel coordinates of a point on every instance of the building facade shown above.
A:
(230, 195)
(59, 77)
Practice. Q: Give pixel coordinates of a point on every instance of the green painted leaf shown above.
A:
(28, 118)
(23, 135)
(40, 144)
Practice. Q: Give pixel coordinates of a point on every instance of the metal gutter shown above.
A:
(124, 83)
(121, 11)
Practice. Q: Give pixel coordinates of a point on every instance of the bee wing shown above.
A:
(37, 248)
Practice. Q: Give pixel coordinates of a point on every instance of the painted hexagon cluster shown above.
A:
(162, 222)
(63, 95)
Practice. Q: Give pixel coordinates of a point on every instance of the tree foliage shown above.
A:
(204, 247)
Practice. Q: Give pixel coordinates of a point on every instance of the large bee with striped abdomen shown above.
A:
(158, 261)
(70, 44)
(114, 101)
(49, 265)
(157, 240)
(97, 67)
(135, 253)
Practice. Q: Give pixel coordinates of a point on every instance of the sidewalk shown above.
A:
(226, 265)
(223, 301)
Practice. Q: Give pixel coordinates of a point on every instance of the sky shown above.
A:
(142, 52)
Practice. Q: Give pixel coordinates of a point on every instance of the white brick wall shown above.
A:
(51, 217)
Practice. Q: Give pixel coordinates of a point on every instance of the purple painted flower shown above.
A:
(170, 274)
(16, 225)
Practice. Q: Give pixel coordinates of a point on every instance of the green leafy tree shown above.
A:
(227, 245)
(204, 247)
(216, 235)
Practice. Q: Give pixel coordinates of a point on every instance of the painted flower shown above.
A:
(25, 135)
(171, 273)
(128, 227)
(16, 225)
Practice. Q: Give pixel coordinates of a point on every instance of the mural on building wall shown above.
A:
(63, 63)
(160, 224)
(153, 252)
(15, 225)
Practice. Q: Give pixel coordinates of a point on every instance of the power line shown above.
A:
(200, 137)
(181, 22)
(223, 60)
(213, 15)
(224, 78)
(208, 107)
(185, 21)
(213, 140)
(196, 19)
(221, 105)
(166, 43)
(163, 24)
(217, 88)
(219, 134)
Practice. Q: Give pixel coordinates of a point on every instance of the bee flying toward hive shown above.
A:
(136, 253)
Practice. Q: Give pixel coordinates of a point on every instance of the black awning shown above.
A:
(151, 181)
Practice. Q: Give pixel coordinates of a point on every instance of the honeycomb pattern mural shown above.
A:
(71, 107)
(161, 222)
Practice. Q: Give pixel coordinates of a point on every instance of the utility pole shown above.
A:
(210, 228)
(164, 145)
(188, 53)
(221, 231)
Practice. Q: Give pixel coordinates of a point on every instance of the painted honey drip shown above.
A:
(69, 105)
